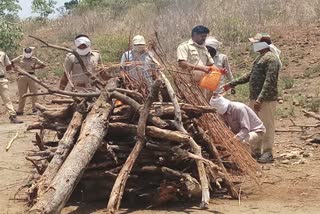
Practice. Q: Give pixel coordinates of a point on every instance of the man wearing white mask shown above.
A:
(28, 63)
(72, 68)
(220, 60)
(263, 87)
(242, 120)
(139, 62)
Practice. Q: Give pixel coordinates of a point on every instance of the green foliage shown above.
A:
(10, 35)
(9, 7)
(285, 112)
(43, 7)
(287, 82)
(58, 72)
(111, 47)
(71, 4)
(314, 105)
(311, 71)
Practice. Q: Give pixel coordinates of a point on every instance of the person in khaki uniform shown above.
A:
(263, 88)
(193, 55)
(29, 64)
(5, 65)
(73, 72)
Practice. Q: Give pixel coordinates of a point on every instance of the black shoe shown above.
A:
(256, 156)
(266, 157)
(14, 119)
(34, 111)
(19, 113)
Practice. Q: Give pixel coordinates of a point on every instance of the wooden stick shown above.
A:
(288, 130)
(195, 147)
(11, 141)
(99, 84)
(311, 114)
(119, 185)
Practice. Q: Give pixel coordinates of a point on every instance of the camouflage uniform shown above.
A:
(263, 87)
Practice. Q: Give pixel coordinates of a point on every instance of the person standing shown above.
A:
(139, 62)
(5, 65)
(220, 60)
(28, 63)
(263, 88)
(194, 57)
(72, 69)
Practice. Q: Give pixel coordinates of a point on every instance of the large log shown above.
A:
(93, 130)
(65, 145)
(196, 149)
(119, 185)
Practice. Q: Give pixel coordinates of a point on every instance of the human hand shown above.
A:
(257, 106)
(226, 87)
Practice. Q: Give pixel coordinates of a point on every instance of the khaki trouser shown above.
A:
(254, 139)
(267, 116)
(4, 93)
(25, 83)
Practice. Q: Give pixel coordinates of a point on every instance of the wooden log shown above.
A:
(311, 114)
(62, 101)
(214, 152)
(136, 106)
(64, 147)
(119, 185)
(93, 130)
(151, 131)
(196, 149)
(45, 125)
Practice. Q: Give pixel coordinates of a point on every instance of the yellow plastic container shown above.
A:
(211, 80)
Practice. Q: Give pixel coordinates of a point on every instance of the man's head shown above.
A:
(199, 34)
(220, 103)
(213, 45)
(27, 52)
(83, 44)
(261, 42)
(139, 43)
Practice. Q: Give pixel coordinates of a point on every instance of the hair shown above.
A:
(81, 35)
(28, 50)
(199, 29)
(266, 39)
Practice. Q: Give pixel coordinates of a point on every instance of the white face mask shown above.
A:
(258, 46)
(139, 48)
(27, 55)
(83, 52)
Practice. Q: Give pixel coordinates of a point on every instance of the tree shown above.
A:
(43, 7)
(10, 29)
(9, 7)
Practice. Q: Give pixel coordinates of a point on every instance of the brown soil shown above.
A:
(287, 185)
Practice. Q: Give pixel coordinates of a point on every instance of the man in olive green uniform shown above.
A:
(193, 55)
(263, 87)
(28, 63)
(5, 65)
(73, 73)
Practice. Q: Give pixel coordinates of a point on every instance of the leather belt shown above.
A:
(2, 76)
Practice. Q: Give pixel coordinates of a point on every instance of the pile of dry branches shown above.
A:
(143, 150)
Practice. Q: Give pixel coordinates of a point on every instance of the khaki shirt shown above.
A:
(195, 54)
(73, 67)
(27, 64)
(4, 62)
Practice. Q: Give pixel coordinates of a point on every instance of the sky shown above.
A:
(26, 7)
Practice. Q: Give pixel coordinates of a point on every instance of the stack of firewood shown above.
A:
(119, 143)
